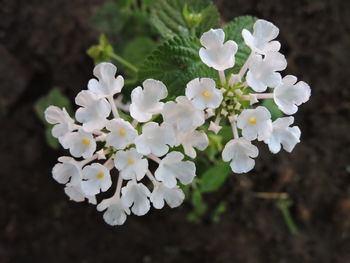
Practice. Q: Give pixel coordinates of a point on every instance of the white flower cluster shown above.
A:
(259, 72)
(98, 132)
(126, 146)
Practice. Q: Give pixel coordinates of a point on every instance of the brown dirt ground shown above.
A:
(43, 43)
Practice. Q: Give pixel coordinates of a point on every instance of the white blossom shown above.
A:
(214, 127)
(76, 194)
(283, 135)
(131, 164)
(216, 53)
(116, 212)
(203, 93)
(136, 195)
(192, 139)
(182, 114)
(289, 94)
(262, 71)
(122, 134)
(106, 85)
(63, 123)
(146, 102)
(93, 112)
(155, 139)
(261, 39)
(67, 170)
(172, 196)
(255, 123)
(172, 167)
(97, 178)
(79, 143)
(240, 152)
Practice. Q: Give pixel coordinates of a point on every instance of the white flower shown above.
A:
(93, 112)
(203, 93)
(262, 72)
(255, 123)
(97, 179)
(136, 195)
(192, 139)
(172, 167)
(75, 193)
(216, 53)
(67, 170)
(155, 139)
(80, 144)
(116, 212)
(63, 122)
(288, 95)
(131, 164)
(146, 102)
(122, 134)
(182, 114)
(241, 152)
(261, 39)
(214, 127)
(283, 135)
(106, 85)
(172, 196)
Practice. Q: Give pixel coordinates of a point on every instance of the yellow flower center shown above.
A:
(121, 132)
(85, 141)
(100, 175)
(206, 94)
(131, 161)
(252, 120)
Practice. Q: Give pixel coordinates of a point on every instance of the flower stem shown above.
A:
(124, 62)
(151, 177)
(119, 187)
(222, 77)
(113, 106)
(154, 158)
(234, 127)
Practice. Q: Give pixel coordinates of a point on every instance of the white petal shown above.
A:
(173, 196)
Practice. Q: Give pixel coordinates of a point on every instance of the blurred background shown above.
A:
(43, 45)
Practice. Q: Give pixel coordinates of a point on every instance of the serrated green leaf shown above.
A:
(233, 31)
(183, 17)
(176, 62)
(213, 178)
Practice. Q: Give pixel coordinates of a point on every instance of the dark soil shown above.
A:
(43, 43)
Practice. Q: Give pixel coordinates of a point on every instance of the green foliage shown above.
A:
(233, 31)
(138, 49)
(56, 98)
(101, 52)
(214, 177)
(199, 207)
(219, 210)
(112, 16)
(273, 108)
(183, 17)
(284, 205)
(176, 62)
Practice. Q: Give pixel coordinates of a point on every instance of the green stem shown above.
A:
(283, 206)
(124, 62)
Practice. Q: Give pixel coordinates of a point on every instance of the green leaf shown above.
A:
(213, 178)
(233, 31)
(184, 17)
(138, 49)
(112, 16)
(198, 204)
(219, 210)
(101, 52)
(176, 62)
(56, 98)
(273, 109)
